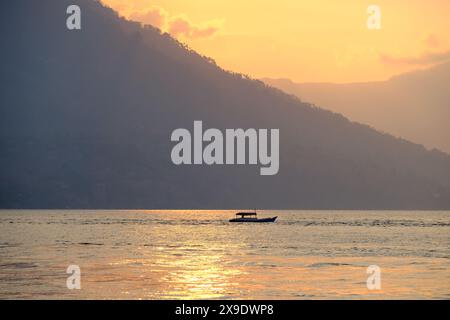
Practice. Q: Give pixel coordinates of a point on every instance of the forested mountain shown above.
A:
(87, 115)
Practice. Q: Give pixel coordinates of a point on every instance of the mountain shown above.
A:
(87, 115)
(414, 106)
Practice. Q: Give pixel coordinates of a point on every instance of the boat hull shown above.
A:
(272, 219)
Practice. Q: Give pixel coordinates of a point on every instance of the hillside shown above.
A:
(87, 115)
(414, 106)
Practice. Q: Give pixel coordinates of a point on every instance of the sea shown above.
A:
(198, 254)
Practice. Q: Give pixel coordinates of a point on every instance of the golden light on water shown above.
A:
(199, 255)
(200, 277)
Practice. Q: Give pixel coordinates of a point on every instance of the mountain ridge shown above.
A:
(87, 117)
(413, 105)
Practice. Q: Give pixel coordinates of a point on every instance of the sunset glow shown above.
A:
(305, 41)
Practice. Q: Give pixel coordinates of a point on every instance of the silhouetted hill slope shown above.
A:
(86, 119)
(414, 106)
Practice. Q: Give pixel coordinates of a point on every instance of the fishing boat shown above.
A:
(251, 217)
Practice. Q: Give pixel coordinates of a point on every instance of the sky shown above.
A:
(305, 41)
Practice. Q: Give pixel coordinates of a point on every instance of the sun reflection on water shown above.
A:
(201, 274)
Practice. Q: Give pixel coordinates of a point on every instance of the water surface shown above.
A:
(131, 254)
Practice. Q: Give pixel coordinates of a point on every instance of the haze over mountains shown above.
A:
(87, 115)
(414, 106)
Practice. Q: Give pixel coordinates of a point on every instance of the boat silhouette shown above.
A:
(251, 217)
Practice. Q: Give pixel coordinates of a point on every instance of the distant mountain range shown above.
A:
(414, 106)
(87, 115)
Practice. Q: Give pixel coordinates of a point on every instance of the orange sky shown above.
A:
(306, 41)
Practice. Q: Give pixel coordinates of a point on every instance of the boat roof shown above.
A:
(246, 214)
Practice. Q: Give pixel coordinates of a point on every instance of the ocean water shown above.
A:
(193, 254)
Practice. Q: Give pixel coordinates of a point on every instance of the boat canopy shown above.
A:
(243, 214)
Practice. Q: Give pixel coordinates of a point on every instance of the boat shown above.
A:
(251, 217)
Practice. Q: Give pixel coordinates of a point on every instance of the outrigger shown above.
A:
(251, 217)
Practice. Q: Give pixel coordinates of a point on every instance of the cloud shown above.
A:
(181, 25)
(123, 8)
(155, 16)
(431, 41)
(424, 59)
